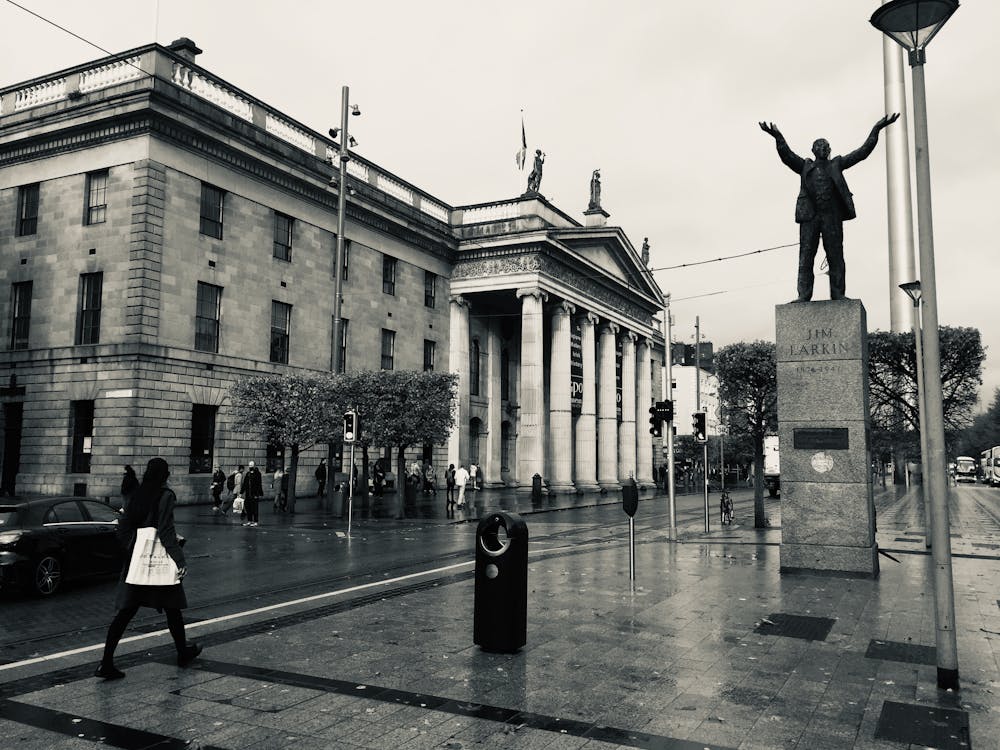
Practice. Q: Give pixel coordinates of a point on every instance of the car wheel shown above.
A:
(48, 576)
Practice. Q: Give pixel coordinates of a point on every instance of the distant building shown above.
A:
(163, 233)
(685, 403)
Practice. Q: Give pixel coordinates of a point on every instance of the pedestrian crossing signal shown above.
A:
(351, 426)
(654, 421)
(699, 427)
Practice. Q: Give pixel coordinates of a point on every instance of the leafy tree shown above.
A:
(748, 390)
(982, 434)
(297, 411)
(400, 408)
(892, 376)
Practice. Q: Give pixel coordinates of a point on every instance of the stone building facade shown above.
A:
(163, 233)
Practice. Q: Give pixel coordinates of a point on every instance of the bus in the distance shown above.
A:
(989, 466)
(965, 469)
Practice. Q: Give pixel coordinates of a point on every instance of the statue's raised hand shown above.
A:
(771, 129)
(886, 121)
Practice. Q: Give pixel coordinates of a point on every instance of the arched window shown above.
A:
(474, 368)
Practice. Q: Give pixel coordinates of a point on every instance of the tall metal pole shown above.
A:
(338, 263)
(944, 594)
(899, 204)
(668, 395)
(697, 398)
(918, 335)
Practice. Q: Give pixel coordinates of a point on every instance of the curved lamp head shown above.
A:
(912, 289)
(913, 23)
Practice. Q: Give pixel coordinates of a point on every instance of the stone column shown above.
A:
(458, 362)
(585, 473)
(607, 411)
(531, 391)
(643, 400)
(494, 412)
(560, 407)
(626, 431)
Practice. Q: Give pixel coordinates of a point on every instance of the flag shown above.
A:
(523, 152)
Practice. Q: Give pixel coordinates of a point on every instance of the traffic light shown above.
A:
(698, 426)
(654, 420)
(666, 410)
(351, 426)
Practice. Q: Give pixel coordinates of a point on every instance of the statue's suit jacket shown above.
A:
(805, 207)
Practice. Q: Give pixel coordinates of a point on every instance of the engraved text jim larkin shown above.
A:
(820, 342)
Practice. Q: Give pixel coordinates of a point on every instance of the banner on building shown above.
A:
(618, 379)
(576, 370)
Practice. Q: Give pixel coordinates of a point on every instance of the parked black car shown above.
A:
(48, 541)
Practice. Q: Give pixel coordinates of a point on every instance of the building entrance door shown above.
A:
(12, 414)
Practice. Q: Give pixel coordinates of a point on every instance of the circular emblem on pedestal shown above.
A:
(822, 462)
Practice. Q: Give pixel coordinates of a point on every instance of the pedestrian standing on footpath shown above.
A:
(279, 483)
(218, 484)
(430, 484)
(378, 478)
(320, 475)
(235, 486)
(253, 491)
(461, 478)
(130, 483)
(449, 483)
(151, 505)
(473, 473)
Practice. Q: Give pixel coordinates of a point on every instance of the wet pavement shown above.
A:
(709, 648)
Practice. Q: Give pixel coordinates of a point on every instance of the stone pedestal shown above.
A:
(827, 508)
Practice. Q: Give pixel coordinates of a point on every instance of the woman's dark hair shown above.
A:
(149, 490)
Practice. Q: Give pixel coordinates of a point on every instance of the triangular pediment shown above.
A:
(608, 251)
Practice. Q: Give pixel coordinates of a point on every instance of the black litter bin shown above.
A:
(500, 613)
(536, 487)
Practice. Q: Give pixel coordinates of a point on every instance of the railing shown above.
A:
(493, 212)
(202, 84)
(195, 82)
(110, 74)
(40, 93)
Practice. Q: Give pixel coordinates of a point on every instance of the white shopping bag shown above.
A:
(150, 564)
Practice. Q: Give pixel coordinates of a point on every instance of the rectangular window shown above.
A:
(505, 375)
(20, 322)
(202, 438)
(275, 458)
(429, 349)
(88, 319)
(27, 210)
(430, 289)
(96, 198)
(474, 368)
(207, 316)
(388, 348)
(343, 344)
(211, 211)
(388, 274)
(281, 323)
(347, 260)
(283, 236)
(82, 430)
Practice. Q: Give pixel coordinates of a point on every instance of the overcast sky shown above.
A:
(664, 97)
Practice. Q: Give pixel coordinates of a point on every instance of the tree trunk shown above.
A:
(293, 470)
(400, 482)
(759, 519)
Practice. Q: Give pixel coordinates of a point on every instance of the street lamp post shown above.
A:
(338, 263)
(912, 289)
(913, 23)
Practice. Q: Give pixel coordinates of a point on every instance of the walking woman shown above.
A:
(151, 505)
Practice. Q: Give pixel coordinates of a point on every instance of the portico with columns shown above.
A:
(563, 321)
